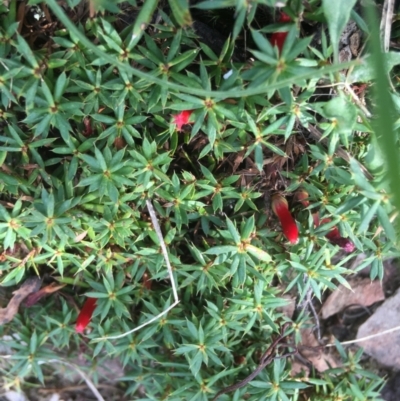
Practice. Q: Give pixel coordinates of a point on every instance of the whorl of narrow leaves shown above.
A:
(92, 140)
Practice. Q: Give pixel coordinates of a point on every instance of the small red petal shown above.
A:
(182, 118)
(284, 18)
(289, 226)
(278, 39)
(85, 314)
(334, 233)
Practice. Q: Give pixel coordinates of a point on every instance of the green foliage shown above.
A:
(88, 136)
(337, 15)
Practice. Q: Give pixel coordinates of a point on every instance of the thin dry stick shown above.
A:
(307, 304)
(157, 228)
(163, 248)
(357, 100)
(84, 376)
(51, 390)
(386, 23)
(358, 340)
(265, 360)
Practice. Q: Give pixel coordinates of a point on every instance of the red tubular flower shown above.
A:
(85, 315)
(345, 243)
(278, 38)
(334, 233)
(289, 227)
(182, 118)
(334, 236)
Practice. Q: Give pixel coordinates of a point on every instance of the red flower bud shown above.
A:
(345, 243)
(289, 227)
(278, 38)
(334, 236)
(182, 118)
(284, 17)
(85, 315)
(301, 196)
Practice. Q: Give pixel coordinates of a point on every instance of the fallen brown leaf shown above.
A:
(21, 15)
(30, 285)
(238, 160)
(312, 351)
(364, 292)
(289, 308)
(36, 296)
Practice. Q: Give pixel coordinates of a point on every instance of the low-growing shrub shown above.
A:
(104, 118)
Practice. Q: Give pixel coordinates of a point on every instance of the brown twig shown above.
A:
(307, 304)
(266, 359)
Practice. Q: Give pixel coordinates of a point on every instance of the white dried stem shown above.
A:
(163, 247)
(386, 23)
(157, 228)
(366, 338)
(84, 376)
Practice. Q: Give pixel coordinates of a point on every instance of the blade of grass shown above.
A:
(385, 110)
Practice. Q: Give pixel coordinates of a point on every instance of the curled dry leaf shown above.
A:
(33, 298)
(31, 285)
(146, 280)
(311, 350)
(364, 292)
(88, 131)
